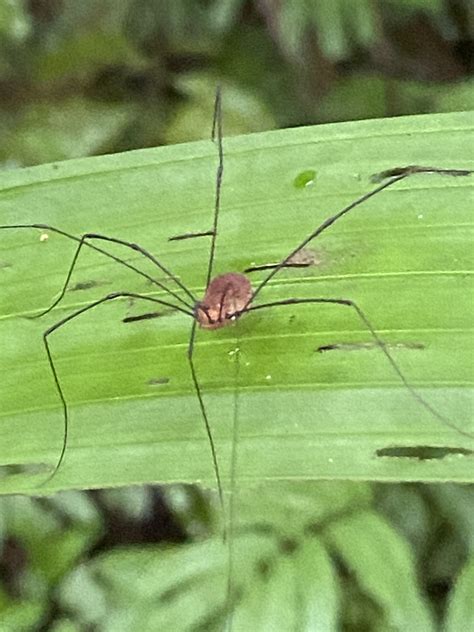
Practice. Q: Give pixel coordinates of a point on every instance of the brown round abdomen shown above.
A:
(225, 296)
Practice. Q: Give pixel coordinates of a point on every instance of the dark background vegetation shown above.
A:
(89, 77)
(82, 78)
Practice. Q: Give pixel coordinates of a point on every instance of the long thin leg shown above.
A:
(148, 255)
(216, 137)
(61, 323)
(395, 175)
(216, 134)
(205, 418)
(81, 241)
(380, 343)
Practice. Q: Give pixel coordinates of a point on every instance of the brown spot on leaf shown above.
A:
(360, 346)
(205, 233)
(422, 452)
(148, 316)
(304, 258)
(83, 285)
(157, 381)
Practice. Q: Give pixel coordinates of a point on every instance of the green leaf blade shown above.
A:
(405, 257)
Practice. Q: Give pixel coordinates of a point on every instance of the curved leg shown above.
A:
(136, 248)
(205, 418)
(394, 175)
(380, 343)
(61, 323)
(81, 241)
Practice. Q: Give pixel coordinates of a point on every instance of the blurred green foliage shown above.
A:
(84, 78)
(338, 556)
(94, 77)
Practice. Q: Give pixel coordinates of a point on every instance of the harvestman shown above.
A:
(228, 297)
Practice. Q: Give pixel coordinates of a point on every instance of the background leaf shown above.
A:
(379, 558)
(461, 611)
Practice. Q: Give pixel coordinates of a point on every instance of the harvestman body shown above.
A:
(228, 296)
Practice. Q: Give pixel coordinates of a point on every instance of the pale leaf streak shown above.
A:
(270, 337)
(303, 386)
